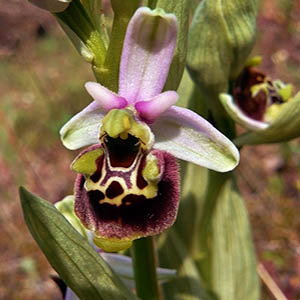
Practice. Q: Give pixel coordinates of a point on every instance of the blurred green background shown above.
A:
(41, 87)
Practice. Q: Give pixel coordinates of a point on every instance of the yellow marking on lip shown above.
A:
(151, 173)
(115, 201)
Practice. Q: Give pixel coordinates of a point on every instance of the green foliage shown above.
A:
(221, 37)
(188, 285)
(76, 262)
(228, 261)
(194, 185)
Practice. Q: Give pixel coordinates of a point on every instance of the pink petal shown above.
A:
(190, 137)
(104, 97)
(151, 109)
(147, 54)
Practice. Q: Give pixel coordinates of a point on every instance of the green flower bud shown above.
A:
(221, 37)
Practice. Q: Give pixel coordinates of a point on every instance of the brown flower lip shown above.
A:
(136, 215)
(254, 107)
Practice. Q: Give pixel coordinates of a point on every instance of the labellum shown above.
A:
(254, 93)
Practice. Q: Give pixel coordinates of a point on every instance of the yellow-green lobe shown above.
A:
(151, 171)
(86, 163)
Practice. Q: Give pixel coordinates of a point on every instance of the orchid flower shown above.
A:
(263, 106)
(128, 184)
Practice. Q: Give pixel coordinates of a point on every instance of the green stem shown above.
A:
(122, 16)
(144, 265)
(77, 19)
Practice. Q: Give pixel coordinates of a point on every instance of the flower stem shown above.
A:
(144, 265)
(122, 15)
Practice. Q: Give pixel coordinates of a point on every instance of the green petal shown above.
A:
(112, 244)
(189, 137)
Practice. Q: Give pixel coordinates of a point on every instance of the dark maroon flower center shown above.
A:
(122, 152)
(254, 107)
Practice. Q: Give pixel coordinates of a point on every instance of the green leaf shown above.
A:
(228, 264)
(284, 127)
(220, 39)
(181, 9)
(188, 285)
(76, 262)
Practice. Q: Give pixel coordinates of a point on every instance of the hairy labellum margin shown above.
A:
(131, 192)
